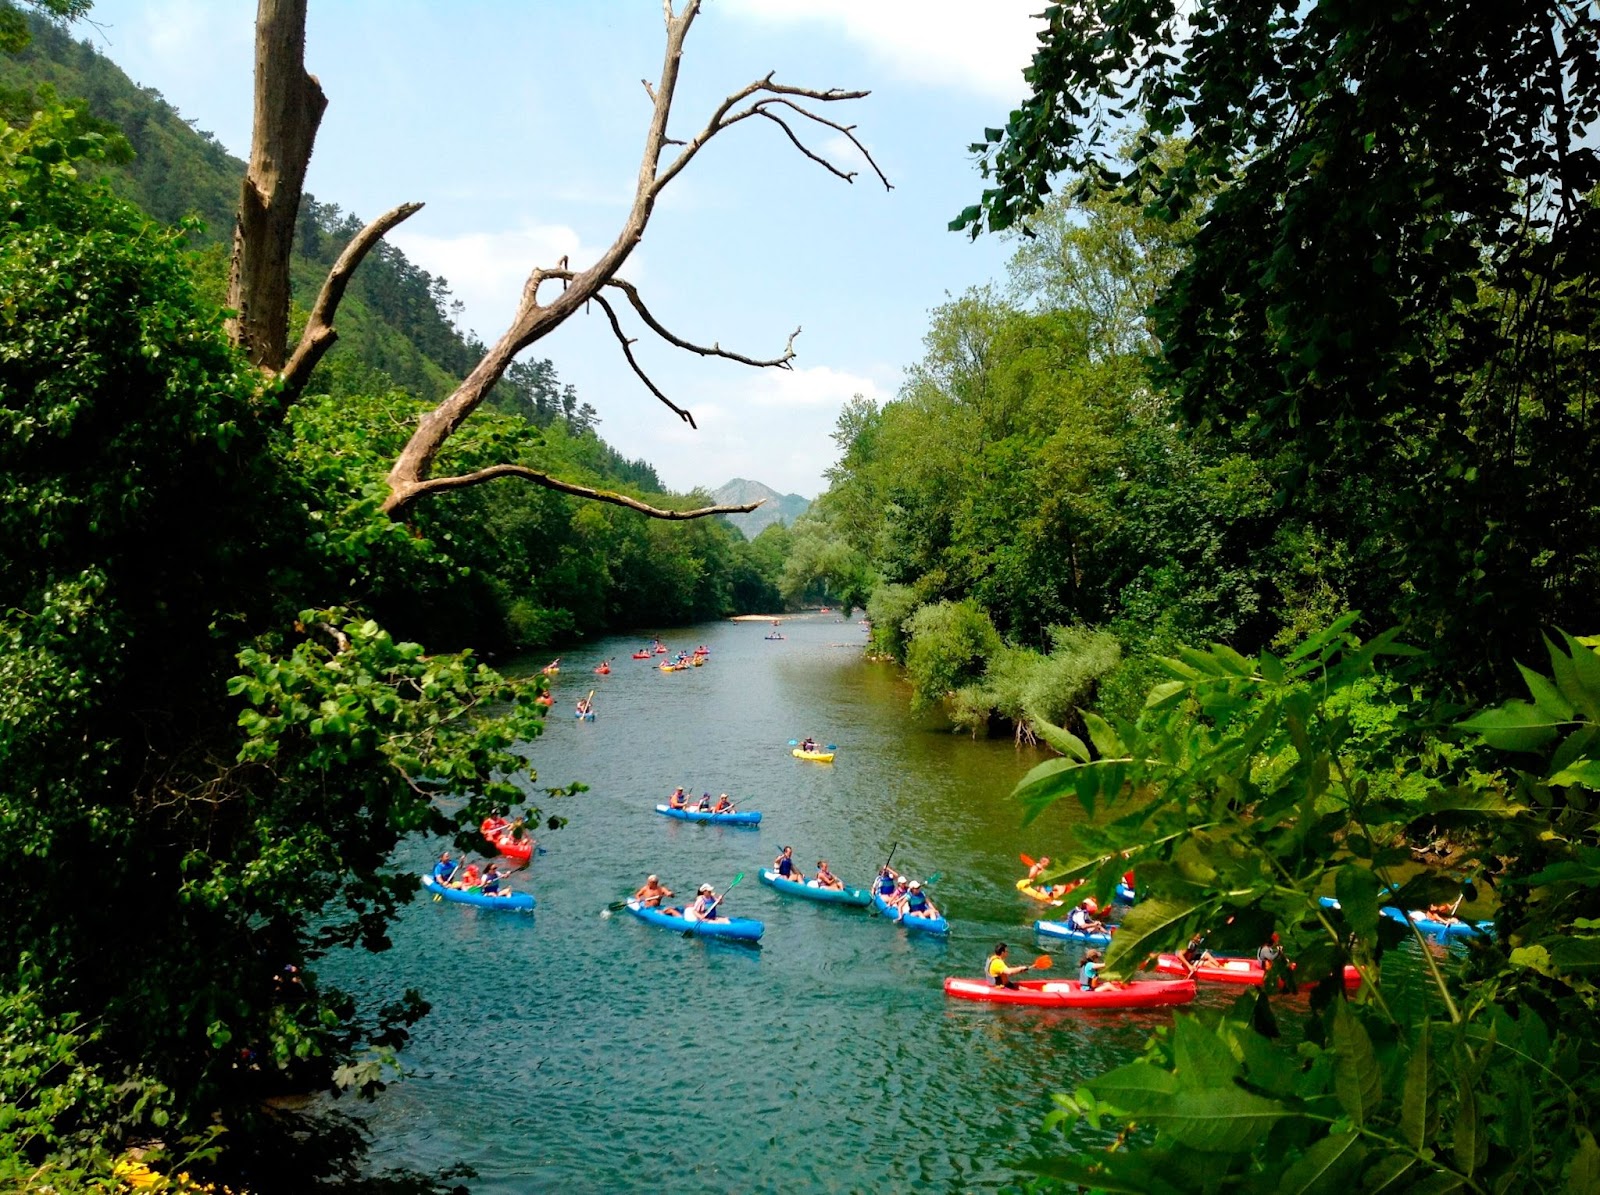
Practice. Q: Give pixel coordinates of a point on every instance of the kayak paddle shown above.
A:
(794, 742)
(1027, 860)
(689, 933)
(1042, 963)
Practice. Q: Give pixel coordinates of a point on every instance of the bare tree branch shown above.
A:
(319, 333)
(627, 351)
(436, 485)
(410, 476)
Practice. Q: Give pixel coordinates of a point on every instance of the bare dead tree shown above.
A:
(289, 105)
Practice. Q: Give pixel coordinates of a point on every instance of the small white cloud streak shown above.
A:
(981, 48)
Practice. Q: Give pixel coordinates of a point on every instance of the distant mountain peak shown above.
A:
(775, 507)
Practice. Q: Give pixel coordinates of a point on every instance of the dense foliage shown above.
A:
(225, 676)
(1388, 298)
(1251, 786)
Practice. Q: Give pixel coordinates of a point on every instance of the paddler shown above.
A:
(1080, 920)
(491, 881)
(652, 894)
(784, 866)
(470, 876)
(999, 971)
(679, 799)
(705, 904)
(444, 870)
(723, 805)
(1089, 973)
(915, 902)
(825, 878)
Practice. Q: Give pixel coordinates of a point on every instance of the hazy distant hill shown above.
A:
(779, 508)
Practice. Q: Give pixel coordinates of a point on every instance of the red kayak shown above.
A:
(661, 650)
(1235, 970)
(1066, 993)
(603, 670)
(643, 655)
(511, 848)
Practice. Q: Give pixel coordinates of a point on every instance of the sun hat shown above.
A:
(916, 885)
(707, 888)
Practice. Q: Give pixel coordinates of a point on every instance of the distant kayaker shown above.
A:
(1039, 868)
(552, 667)
(653, 893)
(494, 825)
(444, 871)
(825, 878)
(1196, 954)
(784, 866)
(809, 745)
(1442, 913)
(1270, 952)
(705, 904)
(1089, 973)
(585, 706)
(886, 881)
(915, 902)
(723, 805)
(999, 972)
(1080, 920)
(679, 799)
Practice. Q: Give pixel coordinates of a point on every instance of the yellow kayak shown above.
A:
(817, 756)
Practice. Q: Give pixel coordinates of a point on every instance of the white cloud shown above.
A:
(816, 386)
(981, 48)
(486, 270)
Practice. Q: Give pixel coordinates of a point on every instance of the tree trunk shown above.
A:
(288, 108)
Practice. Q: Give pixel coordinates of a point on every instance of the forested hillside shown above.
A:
(536, 567)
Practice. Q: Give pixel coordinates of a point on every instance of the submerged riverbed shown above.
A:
(598, 1054)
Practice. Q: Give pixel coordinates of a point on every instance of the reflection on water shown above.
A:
(601, 1054)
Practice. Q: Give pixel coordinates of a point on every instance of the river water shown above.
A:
(597, 1054)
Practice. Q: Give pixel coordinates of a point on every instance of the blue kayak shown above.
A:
(1060, 929)
(1445, 931)
(812, 891)
(589, 717)
(516, 902)
(919, 925)
(739, 928)
(696, 815)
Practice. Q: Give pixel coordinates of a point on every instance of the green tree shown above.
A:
(1389, 297)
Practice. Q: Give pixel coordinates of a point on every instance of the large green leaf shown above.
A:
(1201, 1058)
(1329, 1165)
(1583, 772)
(1218, 1120)
(1583, 1175)
(1416, 1098)
(1150, 927)
(1103, 736)
(1466, 1140)
(1546, 696)
(1515, 726)
(1358, 891)
(1357, 1081)
(1059, 738)
(1134, 1088)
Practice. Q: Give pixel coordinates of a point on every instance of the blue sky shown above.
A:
(520, 126)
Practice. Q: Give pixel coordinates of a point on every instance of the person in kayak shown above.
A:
(1270, 952)
(494, 825)
(679, 799)
(585, 706)
(491, 881)
(705, 904)
(886, 881)
(1038, 869)
(999, 972)
(825, 878)
(1089, 973)
(471, 877)
(552, 667)
(810, 744)
(705, 803)
(1196, 954)
(723, 805)
(652, 893)
(784, 866)
(1441, 912)
(1080, 920)
(915, 902)
(444, 871)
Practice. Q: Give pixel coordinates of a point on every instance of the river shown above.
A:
(597, 1054)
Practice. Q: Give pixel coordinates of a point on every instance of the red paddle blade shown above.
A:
(1042, 963)
(1026, 861)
